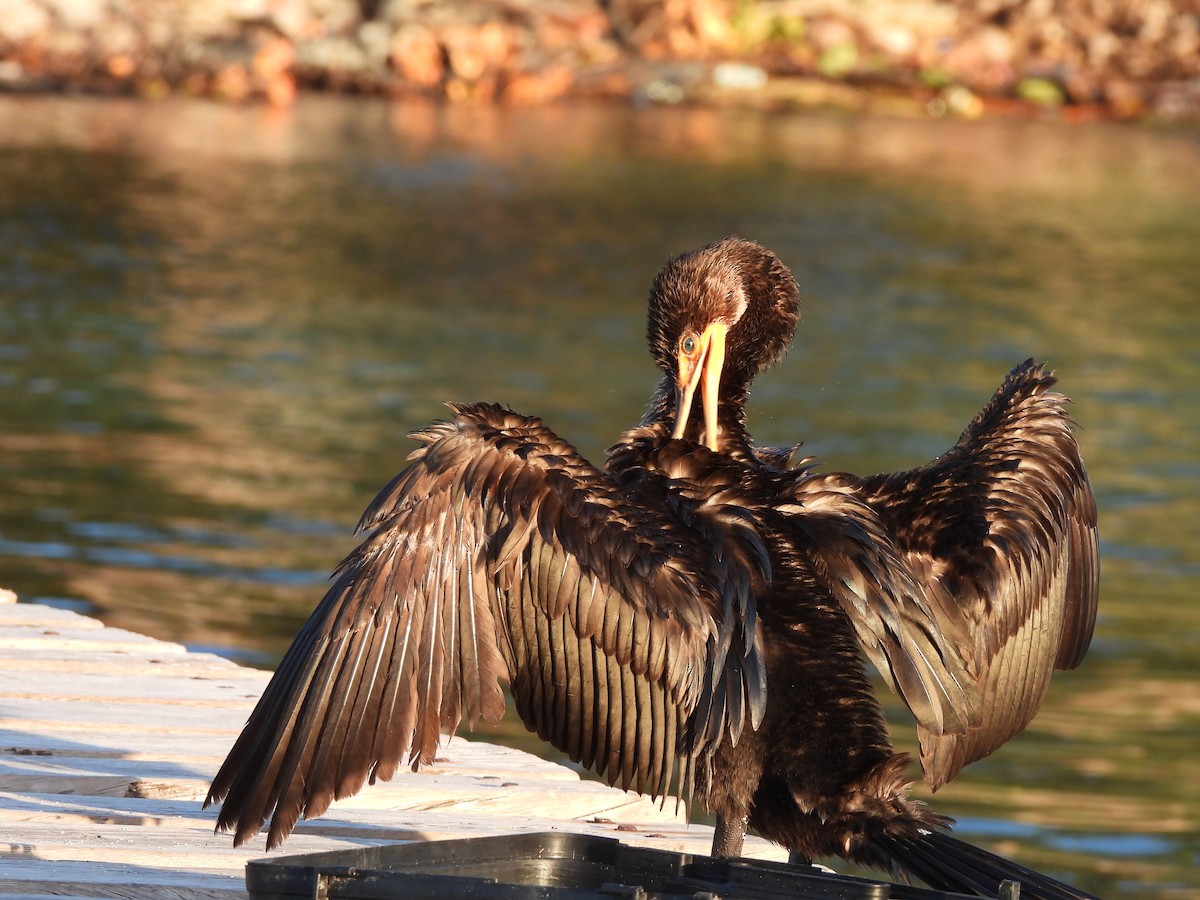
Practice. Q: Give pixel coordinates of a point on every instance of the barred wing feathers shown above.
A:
(1002, 532)
(498, 557)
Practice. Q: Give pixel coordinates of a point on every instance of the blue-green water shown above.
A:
(217, 325)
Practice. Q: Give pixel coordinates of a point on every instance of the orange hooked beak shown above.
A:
(700, 365)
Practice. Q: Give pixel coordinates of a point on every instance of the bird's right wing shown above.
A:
(500, 556)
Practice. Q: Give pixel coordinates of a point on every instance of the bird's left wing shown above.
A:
(1001, 532)
(500, 557)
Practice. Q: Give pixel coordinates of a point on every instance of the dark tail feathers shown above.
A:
(948, 864)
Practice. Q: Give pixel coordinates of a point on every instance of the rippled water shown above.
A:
(218, 324)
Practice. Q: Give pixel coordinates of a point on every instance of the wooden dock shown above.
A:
(108, 741)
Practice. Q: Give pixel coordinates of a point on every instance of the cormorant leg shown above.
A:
(729, 835)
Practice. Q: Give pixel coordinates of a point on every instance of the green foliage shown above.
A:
(1041, 91)
(838, 60)
(757, 26)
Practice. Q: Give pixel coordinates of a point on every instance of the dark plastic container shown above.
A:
(549, 866)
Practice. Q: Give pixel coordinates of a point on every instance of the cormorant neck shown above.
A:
(731, 416)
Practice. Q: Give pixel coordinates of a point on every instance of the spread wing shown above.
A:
(1001, 531)
(500, 557)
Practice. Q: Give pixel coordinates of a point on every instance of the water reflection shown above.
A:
(217, 325)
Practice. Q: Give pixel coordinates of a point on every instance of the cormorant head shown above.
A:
(719, 316)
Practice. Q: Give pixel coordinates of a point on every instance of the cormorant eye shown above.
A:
(688, 344)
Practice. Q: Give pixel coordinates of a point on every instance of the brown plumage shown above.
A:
(696, 613)
(501, 557)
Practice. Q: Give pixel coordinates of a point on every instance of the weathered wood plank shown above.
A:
(167, 841)
(204, 754)
(84, 811)
(131, 665)
(61, 890)
(62, 640)
(69, 762)
(425, 790)
(24, 738)
(108, 741)
(214, 690)
(118, 713)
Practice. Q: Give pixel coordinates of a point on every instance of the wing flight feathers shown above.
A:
(1001, 530)
(1082, 577)
(500, 557)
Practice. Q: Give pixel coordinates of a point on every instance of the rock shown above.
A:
(1125, 58)
(416, 56)
(77, 15)
(540, 86)
(738, 76)
(23, 21)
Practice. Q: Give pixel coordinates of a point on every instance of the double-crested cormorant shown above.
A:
(965, 582)
(695, 614)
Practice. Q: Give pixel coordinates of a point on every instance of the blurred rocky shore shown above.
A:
(1079, 59)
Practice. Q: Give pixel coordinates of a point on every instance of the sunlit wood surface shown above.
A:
(108, 741)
